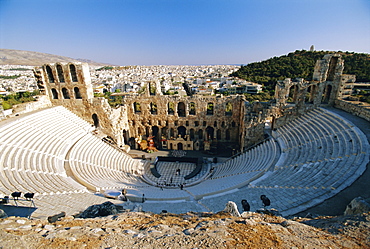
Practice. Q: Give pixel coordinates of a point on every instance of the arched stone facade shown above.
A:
(200, 122)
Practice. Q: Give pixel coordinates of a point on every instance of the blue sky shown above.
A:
(183, 32)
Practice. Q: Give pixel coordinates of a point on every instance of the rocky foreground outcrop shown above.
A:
(189, 230)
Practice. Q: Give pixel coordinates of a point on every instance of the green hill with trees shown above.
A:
(300, 64)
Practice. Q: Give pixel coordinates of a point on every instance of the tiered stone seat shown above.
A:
(322, 154)
(33, 150)
(307, 161)
(99, 166)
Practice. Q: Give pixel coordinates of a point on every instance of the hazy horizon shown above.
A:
(183, 32)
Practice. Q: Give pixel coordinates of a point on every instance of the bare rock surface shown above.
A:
(357, 206)
(189, 230)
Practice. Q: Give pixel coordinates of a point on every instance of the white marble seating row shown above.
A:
(33, 149)
(306, 175)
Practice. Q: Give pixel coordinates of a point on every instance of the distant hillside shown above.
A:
(20, 57)
(300, 64)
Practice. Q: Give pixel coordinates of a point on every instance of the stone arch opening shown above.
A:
(192, 108)
(65, 93)
(218, 136)
(153, 108)
(308, 96)
(172, 133)
(229, 109)
(49, 72)
(77, 93)
(95, 120)
(73, 73)
(60, 73)
(200, 134)
(331, 71)
(227, 137)
(326, 94)
(181, 109)
(54, 92)
(180, 146)
(155, 134)
(137, 107)
(210, 108)
(171, 108)
(292, 96)
(125, 135)
(155, 131)
(181, 130)
(164, 131)
(210, 133)
(192, 134)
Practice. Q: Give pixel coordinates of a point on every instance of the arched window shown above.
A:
(72, 71)
(218, 134)
(227, 134)
(171, 108)
(192, 108)
(332, 66)
(223, 124)
(50, 74)
(181, 109)
(215, 124)
(125, 136)
(181, 130)
(210, 109)
(210, 132)
(55, 93)
(229, 109)
(292, 94)
(137, 107)
(153, 108)
(326, 94)
(192, 135)
(77, 93)
(65, 93)
(60, 73)
(200, 134)
(233, 124)
(96, 120)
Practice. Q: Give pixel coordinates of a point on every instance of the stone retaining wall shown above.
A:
(356, 108)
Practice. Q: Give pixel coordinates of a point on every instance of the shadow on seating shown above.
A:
(21, 211)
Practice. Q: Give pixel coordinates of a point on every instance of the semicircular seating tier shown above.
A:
(33, 150)
(54, 154)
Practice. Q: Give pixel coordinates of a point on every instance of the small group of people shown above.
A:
(171, 185)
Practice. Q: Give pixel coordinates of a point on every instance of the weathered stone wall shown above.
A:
(359, 109)
(198, 118)
(42, 102)
(69, 85)
(204, 122)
